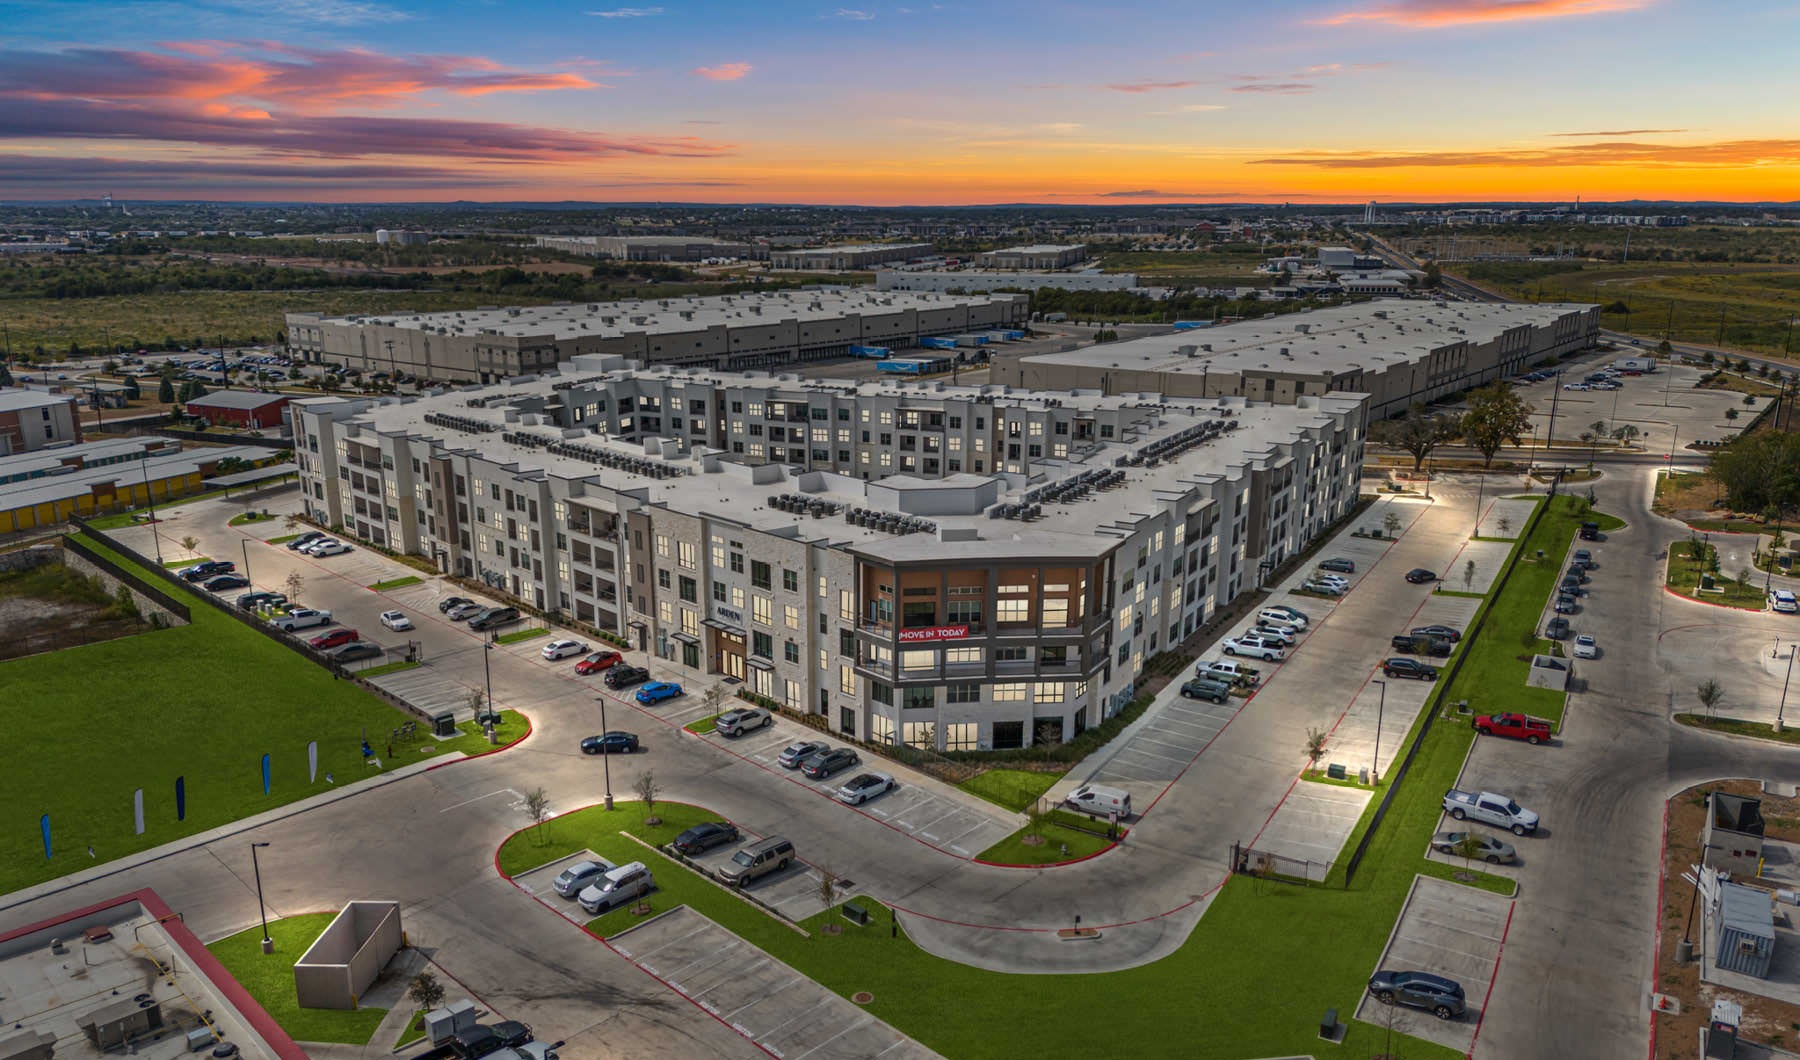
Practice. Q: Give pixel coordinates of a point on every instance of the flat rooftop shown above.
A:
(615, 319)
(81, 481)
(15, 399)
(1362, 336)
(114, 962)
(856, 248)
(956, 507)
(1040, 248)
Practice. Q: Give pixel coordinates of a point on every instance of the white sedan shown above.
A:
(1586, 647)
(562, 649)
(329, 548)
(865, 787)
(396, 621)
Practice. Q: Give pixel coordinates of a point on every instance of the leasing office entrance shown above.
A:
(725, 649)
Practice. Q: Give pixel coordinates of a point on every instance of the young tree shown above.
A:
(1469, 576)
(1709, 694)
(425, 991)
(712, 698)
(1417, 433)
(294, 584)
(1743, 577)
(1599, 428)
(1467, 847)
(1626, 433)
(1315, 745)
(1505, 526)
(537, 807)
(647, 790)
(190, 543)
(1047, 736)
(1392, 522)
(828, 894)
(1496, 415)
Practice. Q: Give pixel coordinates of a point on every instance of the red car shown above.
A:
(598, 661)
(336, 637)
(1517, 726)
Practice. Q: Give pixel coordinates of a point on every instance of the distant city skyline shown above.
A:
(1337, 101)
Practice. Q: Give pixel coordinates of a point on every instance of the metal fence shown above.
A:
(159, 592)
(1268, 865)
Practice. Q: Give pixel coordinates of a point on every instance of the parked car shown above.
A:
(1517, 726)
(1292, 614)
(1100, 800)
(205, 569)
(1557, 628)
(1783, 601)
(1403, 667)
(253, 601)
(1449, 633)
(1565, 604)
(1590, 532)
(1586, 647)
(756, 860)
(356, 650)
(826, 763)
(625, 675)
(598, 661)
(562, 649)
(1255, 647)
(1493, 851)
(572, 880)
(1489, 808)
(1441, 997)
(301, 618)
(1419, 576)
(704, 836)
(1338, 563)
(334, 638)
(495, 617)
(610, 743)
(1322, 588)
(328, 548)
(739, 722)
(473, 1043)
(451, 603)
(863, 787)
(1274, 636)
(1206, 688)
(305, 539)
(307, 549)
(1583, 559)
(464, 611)
(396, 621)
(1331, 579)
(1269, 618)
(1417, 644)
(219, 583)
(793, 756)
(623, 884)
(512, 1033)
(1229, 670)
(657, 691)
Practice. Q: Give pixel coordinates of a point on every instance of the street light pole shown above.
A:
(246, 544)
(1782, 709)
(268, 944)
(605, 755)
(1380, 709)
(487, 671)
(1480, 493)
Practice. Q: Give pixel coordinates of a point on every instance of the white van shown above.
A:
(1101, 801)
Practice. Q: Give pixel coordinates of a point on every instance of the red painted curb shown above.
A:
(529, 729)
(1490, 990)
(1054, 864)
(1709, 603)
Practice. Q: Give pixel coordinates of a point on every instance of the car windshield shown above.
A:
(743, 857)
(1514, 808)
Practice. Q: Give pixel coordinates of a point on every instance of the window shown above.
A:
(1056, 610)
(962, 656)
(737, 597)
(847, 720)
(847, 679)
(718, 591)
(1009, 655)
(791, 695)
(762, 609)
(662, 578)
(763, 644)
(665, 611)
(1012, 692)
(920, 734)
(925, 659)
(791, 652)
(881, 693)
(881, 729)
(737, 563)
(759, 574)
(790, 616)
(846, 608)
(690, 589)
(966, 692)
(1047, 692)
(690, 555)
(916, 698)
(690, 622)
(662, 545)
(823, 591)
(790, 580)
(964, 613)
(962, 736)
(1017, 609)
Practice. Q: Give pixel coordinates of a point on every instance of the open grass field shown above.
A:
(270, 979)
(202, 702)
(1180, 1006)
(1191, 267)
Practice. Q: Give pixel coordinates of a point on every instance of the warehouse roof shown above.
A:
(15, 399)
(238, 399)
(15, 495)
(1041, 248)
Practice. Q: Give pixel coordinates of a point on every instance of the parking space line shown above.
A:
(822, 1002)
(712, 958)
(673, 941)
(767, 994)
(858, 1025)
(734, 976)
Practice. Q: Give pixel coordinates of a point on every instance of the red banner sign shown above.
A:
(914, 636)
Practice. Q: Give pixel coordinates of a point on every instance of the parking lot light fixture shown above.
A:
(605, 755)
(1380, 709)
(268, 944)
(1782, 709)
(487, 671)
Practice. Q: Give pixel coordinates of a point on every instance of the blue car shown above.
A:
(657, 691)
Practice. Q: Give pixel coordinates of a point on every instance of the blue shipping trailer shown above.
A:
(901, 366)
(937, 344)
(869, 351)
(1189, 325)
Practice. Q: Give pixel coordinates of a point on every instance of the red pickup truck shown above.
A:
(1517, 726)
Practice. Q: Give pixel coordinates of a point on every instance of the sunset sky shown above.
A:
(1050, 101)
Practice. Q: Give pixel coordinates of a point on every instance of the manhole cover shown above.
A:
(862, 997)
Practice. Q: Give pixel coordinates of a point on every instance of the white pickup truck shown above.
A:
(301, 618)
(1254, 646)
(1489, 808)
(1229, 671)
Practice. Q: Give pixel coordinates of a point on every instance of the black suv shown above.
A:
(1420, 644)
(207, 569)
(1442, 997)
(1590, 531)
(623, 676)
(495, 617)
(1408, 668)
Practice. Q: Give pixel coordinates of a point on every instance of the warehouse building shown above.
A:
(35, 419)
(44, 488)
(1396, 351)
(254, 409)
(975, 282)
(964, 568)
(725, 331)
(653, 248)
(850, 256)
(1040, 256)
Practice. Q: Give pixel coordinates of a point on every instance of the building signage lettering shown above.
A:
(728, 615)
(913, 636)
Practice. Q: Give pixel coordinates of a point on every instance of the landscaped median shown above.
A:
(520, 635)
(1759, 730)
(1053, 837)
(397, 583)
(1692, 571)
(269, 977)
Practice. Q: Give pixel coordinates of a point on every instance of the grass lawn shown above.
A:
(120, 519)
(397, 583)
(270, 979)
(1738, 727)
(473, 741)
(1060, 844)
(1319, 776)
(518, 635)
(188, 562)
(246, 518)
(180, 698)
(1015, 789)
(388, 668)
(283, 539)
(702, 726)
(413, 1032)
(571, 832)
(1681, 575)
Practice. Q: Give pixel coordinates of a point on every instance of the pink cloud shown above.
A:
(1432, 14)
(1151, 86)
(724, 71)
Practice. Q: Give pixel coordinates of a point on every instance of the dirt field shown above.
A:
(45, 610)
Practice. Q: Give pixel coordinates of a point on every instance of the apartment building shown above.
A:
(36, 419)
(963, 568)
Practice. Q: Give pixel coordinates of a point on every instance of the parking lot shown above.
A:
(538, 881)
(1449, 930)
(769, 1003)
(1664, 405)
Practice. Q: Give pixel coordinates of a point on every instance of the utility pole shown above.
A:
(1780, 710)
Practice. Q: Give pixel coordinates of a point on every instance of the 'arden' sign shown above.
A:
(914, 636)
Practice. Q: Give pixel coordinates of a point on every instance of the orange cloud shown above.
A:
(1432, 14)
(1151, 86)
(1730, 153)
(724, 71)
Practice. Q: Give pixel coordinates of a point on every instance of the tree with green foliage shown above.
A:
(166, 392)
(1497, 414)
(1710, 693)
(1418, 433)
(425, 991)
(1467, 847)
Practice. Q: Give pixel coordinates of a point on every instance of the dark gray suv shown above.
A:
(1442, 997)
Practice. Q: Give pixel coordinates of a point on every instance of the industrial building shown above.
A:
(36, 419)
(401, 237)
(653, 248)
(973, 282)
(1397, 351)
(849, 256)
(724, 331)
(1040, 256)
(965, 568)
(44, 488)
(242, 408)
